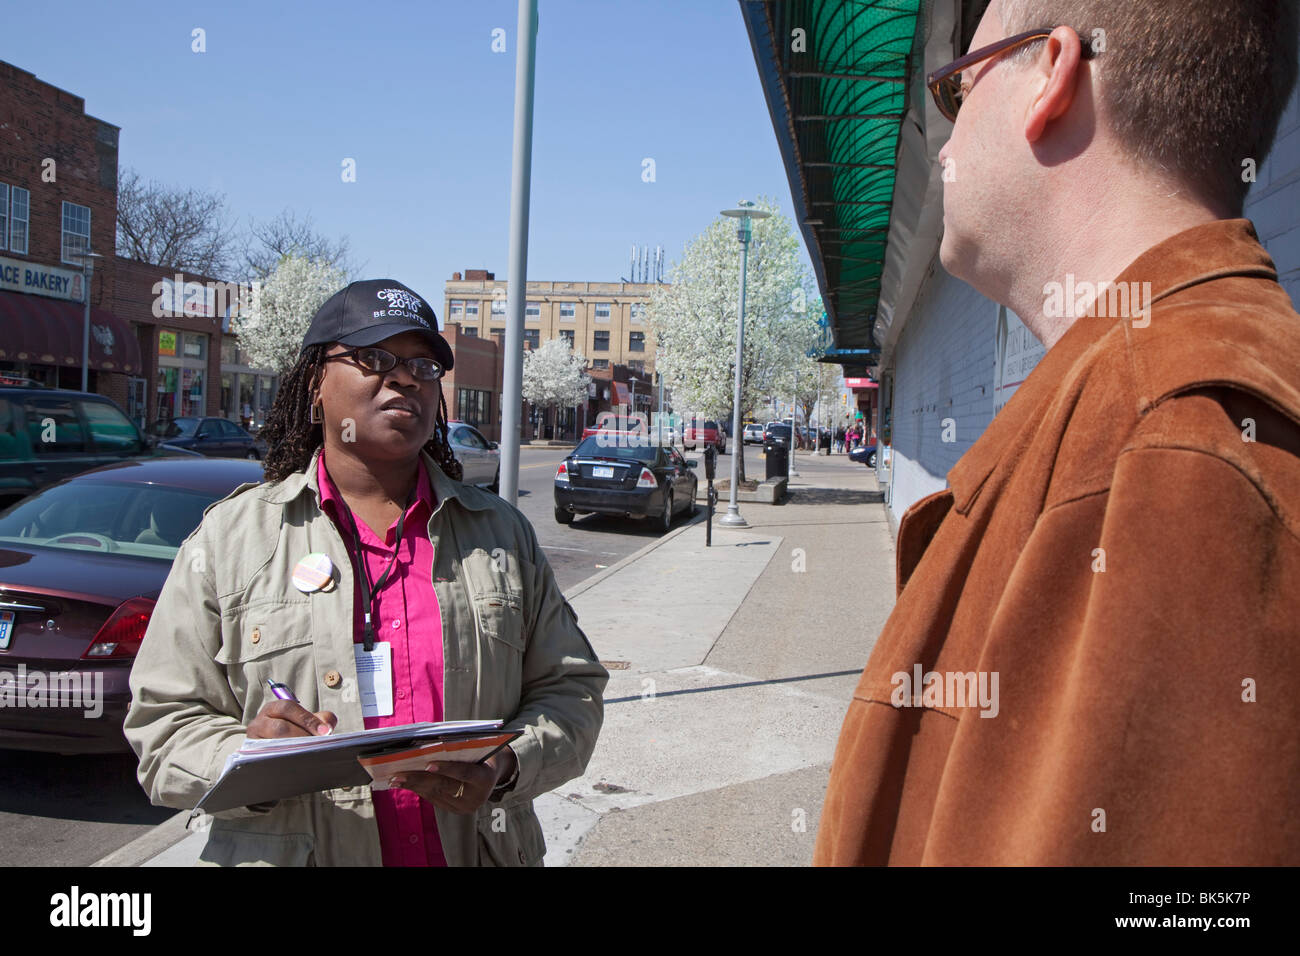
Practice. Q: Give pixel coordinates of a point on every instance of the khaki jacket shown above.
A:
(229, 617)
(1121, 547)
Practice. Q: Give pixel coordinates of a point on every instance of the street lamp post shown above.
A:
(745, 211)
(87, 273)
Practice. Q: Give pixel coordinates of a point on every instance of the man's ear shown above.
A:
(1060, 62)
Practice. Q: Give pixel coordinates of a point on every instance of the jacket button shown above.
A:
(333, 679)
(257, 635)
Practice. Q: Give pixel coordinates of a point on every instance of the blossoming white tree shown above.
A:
(271, 326)
(694, 318)
(555, 376)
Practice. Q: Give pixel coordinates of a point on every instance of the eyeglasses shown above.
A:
(945, 83)
(378, 360)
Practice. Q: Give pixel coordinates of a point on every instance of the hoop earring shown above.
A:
(317, 414)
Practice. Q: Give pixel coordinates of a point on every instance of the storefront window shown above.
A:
(192, 392)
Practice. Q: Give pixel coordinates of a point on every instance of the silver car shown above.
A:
(479, 458)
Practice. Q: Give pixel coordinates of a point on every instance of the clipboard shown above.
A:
(263, 771)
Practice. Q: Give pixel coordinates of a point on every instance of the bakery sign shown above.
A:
(33, 279)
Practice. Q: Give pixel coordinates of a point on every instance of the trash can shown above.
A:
(778, 459)
(823, 442)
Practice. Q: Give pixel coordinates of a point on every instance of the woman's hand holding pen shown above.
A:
(288, 718)
(459, 787)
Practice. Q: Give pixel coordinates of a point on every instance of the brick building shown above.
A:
(190, 358)
(58, 200)
(605, 321)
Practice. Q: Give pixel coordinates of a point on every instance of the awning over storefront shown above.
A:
(49, 332)
(836, 75)
(621, 394)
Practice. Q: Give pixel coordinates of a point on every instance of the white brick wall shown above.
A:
(1273, 203)
(943, 369)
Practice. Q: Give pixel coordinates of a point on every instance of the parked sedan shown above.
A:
(480, 459)
(753, 434)
(210, 437)
(610, 475)
(81, 564)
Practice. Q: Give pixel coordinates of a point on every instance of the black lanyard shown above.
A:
(370, 592)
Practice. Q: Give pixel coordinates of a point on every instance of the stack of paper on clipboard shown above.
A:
(265, 770)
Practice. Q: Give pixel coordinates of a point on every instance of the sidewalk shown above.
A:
(726, 697)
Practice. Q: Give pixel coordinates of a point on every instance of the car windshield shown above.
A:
(621, 447)
(780, 431)
(142, 520)
(176, 428)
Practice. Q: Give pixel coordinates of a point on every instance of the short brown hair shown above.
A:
(1194, 86)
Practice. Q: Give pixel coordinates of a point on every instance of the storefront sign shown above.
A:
(166, 343)
(34, 279)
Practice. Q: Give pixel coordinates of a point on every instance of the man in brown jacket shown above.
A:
(1095, 653)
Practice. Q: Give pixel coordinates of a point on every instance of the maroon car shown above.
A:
(705, 433)
(81, 564)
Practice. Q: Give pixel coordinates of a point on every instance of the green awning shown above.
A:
(837, 93)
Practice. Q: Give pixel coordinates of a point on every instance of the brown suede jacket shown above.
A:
(1116, 563)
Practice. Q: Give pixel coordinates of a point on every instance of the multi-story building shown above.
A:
(605, 321)
(58, 201)
(189, 353)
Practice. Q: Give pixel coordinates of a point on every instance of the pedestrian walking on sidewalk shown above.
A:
(363, 554)
(1119, 552)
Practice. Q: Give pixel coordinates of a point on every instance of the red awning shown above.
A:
(621, 394)
(49, 332)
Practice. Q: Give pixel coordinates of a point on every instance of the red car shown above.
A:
(81, 563)
(705, 433)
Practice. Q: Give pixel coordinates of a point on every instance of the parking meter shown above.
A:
(710, 460)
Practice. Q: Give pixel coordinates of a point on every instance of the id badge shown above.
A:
(375, 679)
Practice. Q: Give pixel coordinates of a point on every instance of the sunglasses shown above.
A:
(378, 360)
(945, 83)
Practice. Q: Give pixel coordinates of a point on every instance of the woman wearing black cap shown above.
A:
(363, 511)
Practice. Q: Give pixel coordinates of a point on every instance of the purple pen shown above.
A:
(281, 691)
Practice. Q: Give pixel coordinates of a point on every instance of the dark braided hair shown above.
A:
(292, 438)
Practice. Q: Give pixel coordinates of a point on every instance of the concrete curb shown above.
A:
(148, 845)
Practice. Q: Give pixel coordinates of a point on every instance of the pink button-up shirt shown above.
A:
(406, 614)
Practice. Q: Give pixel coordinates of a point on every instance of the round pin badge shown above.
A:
(314, 573)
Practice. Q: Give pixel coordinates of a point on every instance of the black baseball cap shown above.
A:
(370, 311)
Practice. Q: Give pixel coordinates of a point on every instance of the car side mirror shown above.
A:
(492, 445)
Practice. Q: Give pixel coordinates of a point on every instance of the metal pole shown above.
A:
(87, 272)
(794, 412)
(732, 518)
(512, 385)
(661, 405)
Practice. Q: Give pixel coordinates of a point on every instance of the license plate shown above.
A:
(600, 471)
(6, 629)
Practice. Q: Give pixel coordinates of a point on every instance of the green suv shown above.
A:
(48, 434)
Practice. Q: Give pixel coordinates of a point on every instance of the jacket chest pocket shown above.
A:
(496, 592)
(269, 642)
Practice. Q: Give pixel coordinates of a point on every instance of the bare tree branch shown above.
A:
(272, 240)
(176, 228)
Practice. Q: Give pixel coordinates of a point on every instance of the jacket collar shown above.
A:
(1214, 250)
(302, 482)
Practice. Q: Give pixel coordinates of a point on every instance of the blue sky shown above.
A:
(414, 93)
